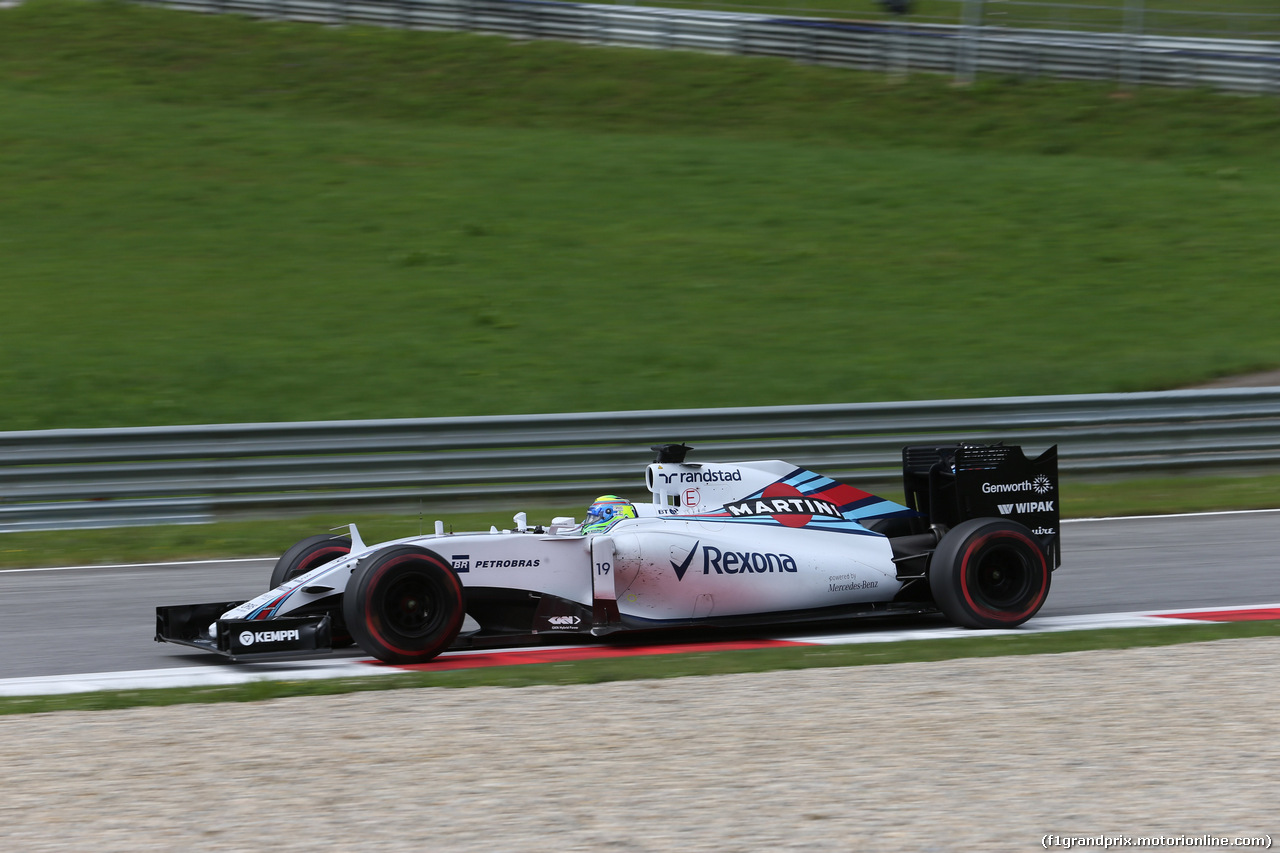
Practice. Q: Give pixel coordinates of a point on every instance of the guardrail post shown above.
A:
(1271, 71)
(970, 32)
(1131, 63)
(898, 46)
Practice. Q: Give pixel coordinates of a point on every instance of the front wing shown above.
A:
(239, 639)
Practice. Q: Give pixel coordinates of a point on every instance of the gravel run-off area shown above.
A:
(981, 754)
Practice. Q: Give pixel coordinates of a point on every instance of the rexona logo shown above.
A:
(248, 638)
(1031, 506)
(786, 504)
(1040, 485)
(735, 562)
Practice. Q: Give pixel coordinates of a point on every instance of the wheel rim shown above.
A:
(411, 607)
(1002, 578)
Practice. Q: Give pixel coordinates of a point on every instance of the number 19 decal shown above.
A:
(603, 568)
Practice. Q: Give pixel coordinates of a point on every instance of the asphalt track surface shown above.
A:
(101, 619)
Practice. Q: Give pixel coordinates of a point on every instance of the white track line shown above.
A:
(1039, 625)
(178, 564)
(187, 676)
(1205, 514)
(216, 674)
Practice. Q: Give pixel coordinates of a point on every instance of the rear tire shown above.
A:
(989, 573)
(404, 605)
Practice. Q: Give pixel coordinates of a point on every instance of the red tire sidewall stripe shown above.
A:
(310, 562)
(980, 543)
(371, 584)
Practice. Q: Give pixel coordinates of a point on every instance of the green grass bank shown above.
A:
(210, 219)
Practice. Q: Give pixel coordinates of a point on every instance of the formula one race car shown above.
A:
(720, 544)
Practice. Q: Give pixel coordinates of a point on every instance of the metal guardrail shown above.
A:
(153, 475)
(1236, 65)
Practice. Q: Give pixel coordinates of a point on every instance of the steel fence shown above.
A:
(1256, 19)
(107, 477)
(981, 43)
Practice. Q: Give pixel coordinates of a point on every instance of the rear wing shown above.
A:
(952, 483)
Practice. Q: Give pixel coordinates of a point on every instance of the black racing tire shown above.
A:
(404, 604)
(989, 573)
(308, 554)
(303, 557)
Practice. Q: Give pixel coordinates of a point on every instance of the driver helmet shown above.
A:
(606, 512)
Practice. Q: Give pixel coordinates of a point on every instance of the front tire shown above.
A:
(404, 605)
(989, 573)
(308, 554)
